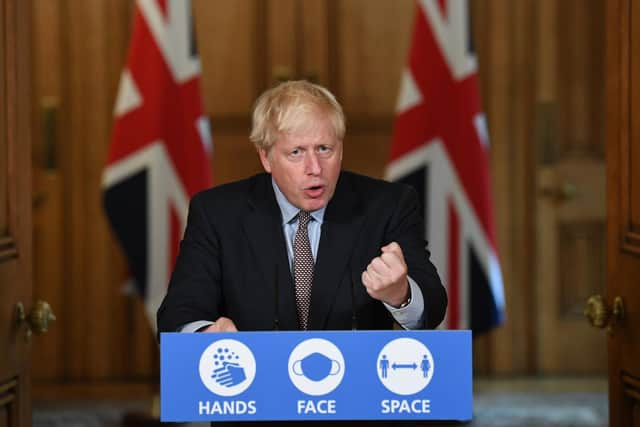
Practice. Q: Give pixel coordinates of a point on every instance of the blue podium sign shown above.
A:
(324, 375)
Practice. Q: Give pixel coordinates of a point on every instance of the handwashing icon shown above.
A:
(316, 367)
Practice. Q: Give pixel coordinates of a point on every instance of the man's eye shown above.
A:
(295, 152)
(324, 149)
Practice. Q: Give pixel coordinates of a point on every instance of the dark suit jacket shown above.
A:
(233, 258)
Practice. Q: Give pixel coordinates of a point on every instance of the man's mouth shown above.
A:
(314, 191)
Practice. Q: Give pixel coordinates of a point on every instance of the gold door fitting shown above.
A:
(601, 316)
(38, 320)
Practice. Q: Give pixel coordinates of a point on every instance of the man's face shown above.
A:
(305, 164)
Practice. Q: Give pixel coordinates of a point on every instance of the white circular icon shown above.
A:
(316, 367)
(405, 366)
(227, 367)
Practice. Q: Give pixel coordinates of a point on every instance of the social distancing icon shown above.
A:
(405, 366)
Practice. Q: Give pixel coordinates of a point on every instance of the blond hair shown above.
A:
(289, 107)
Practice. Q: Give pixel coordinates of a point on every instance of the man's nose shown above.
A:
(312, 164)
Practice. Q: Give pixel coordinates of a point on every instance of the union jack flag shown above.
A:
(160, 148)
(440, 146)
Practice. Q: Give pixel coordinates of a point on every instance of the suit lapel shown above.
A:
(263, 230)
(341, 226)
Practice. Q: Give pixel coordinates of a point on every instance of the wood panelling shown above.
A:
(372, 52)
(582, 246)
(579, 73)
(132, 388)
(316, 22)
(242, 159)
(623, 257)
(8, 400)
(46, 80)
(293, 39)
(570, 184)
(3, 137)
(7, 248)
(631, 397)
(4, 417)
(15, 221)
(634, 125)
(101, 334)
(48, 240)
(87, 291)
(629, 153)
(520, 174)
(94, 284)
(231, 46)
(367, 151)
(283, 35)
(504, 35)
(3, 185)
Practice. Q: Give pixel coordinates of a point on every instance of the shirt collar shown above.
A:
(290, 212)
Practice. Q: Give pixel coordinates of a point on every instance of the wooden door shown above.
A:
(570, 175)
(356, 48)
(371, 47)
(102, 344)
(621, 306)
(15, 214)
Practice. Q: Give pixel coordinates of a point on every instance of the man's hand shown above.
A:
(223, 324)
(386, 276)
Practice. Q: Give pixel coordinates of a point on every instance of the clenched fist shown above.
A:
(386, 276)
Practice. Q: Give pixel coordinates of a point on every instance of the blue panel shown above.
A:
(341, 375)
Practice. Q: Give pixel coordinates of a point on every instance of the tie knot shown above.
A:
(303, 217)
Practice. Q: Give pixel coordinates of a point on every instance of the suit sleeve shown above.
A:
(407, 228)
(194, 291)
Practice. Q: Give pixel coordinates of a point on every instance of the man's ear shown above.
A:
(264, 159)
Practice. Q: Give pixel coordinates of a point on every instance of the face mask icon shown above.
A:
(316, 367)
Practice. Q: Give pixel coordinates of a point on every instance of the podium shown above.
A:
(316, 375)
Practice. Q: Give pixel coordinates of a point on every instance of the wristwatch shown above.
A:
(406, 302)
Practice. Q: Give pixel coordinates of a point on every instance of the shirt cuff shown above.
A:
(411, 316)
(194, 326)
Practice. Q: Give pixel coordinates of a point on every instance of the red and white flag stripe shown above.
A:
(160, 150)
(439, 146)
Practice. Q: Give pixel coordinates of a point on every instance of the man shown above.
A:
(304, 245)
